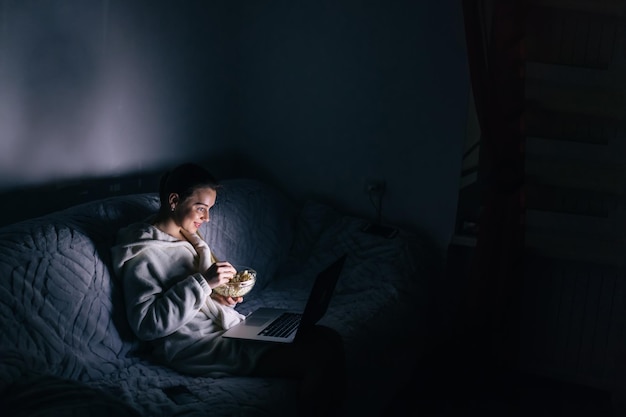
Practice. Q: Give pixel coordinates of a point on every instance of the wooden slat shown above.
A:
(609, 154)
(532, 331)
(570, 127)
(579, 281)
(585, 175)
(589, 338)
(574, 303)
(613, 302)
(567, 248)
(541, 197)
(603, 329)
(571, 37)
(566, 37)
(574, 322)
(562, 328)
(609, 7)
(540, 306)
(602, 102)
(575, 226)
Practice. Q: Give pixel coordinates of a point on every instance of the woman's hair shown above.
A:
(184, 180)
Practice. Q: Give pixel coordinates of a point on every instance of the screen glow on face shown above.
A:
(195, 210)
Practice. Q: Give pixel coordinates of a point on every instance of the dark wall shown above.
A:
(337, 92)
(316, 96)
(102, 87)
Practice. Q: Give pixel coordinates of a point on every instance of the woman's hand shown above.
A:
(227, 301)
(219, 273)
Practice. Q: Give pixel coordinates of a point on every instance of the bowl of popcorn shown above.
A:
(240, 284)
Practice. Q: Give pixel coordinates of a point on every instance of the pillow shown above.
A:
(58, 301)
(313, 220)
(251, 224)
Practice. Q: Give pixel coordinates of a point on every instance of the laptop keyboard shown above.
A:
(283, 326)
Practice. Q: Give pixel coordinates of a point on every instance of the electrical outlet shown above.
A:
(374, 186)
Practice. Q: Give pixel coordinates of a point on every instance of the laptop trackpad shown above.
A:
(256, 320)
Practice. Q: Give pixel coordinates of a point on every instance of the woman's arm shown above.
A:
(152, 310)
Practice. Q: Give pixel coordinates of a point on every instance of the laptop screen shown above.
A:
(322, 292)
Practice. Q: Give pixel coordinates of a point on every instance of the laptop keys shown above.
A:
(283, 326)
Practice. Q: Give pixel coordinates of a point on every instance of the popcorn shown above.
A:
(239, 285)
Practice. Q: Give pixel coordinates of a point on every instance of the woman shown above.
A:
(168, 274)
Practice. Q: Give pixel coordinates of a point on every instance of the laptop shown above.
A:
(283, 326)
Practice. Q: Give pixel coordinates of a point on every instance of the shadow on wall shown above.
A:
(37, 200)
(34, 201)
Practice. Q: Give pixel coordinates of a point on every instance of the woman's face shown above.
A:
(194, 210)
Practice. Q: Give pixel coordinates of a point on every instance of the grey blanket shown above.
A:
(66, 346)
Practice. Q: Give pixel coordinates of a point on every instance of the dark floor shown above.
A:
(500, 394)
(460, 377)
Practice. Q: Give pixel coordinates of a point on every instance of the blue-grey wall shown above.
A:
(315, 95)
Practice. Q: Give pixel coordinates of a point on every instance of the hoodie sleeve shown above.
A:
(162, 291)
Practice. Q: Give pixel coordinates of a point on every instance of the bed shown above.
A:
(66, 348)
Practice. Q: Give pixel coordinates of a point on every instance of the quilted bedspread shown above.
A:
(66, 346)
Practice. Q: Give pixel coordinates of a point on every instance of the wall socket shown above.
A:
(374, 186)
